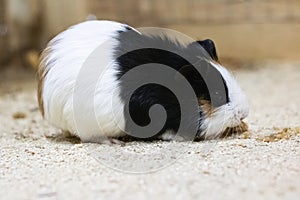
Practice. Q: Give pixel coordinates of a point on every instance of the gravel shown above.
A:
(38, 162)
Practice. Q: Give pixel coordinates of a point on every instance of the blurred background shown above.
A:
(244, 30)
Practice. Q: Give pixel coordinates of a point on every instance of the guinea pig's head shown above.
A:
(222, 103)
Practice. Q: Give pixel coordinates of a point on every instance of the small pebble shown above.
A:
(19, 115)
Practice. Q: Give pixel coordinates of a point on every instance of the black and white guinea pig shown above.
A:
(62, 60)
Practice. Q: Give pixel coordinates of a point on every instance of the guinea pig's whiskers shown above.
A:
(226, 132)
(236, 130)
(198, 61)
(232, 131)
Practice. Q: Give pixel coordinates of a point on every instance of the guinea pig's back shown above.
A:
(61, 64)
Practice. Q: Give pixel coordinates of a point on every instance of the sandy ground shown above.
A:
(38, 163)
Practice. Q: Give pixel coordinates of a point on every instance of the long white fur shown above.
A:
(68, 52)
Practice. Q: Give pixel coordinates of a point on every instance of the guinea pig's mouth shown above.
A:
(214, 132)
(217, 122)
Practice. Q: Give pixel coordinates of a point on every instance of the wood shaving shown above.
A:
(19, 115)
(245, 135)
(284, 134)
(240, 145)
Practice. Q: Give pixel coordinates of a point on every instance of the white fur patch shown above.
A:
(171, 136)
(69, 52)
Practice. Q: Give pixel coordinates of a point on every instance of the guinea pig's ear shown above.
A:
(210, 47)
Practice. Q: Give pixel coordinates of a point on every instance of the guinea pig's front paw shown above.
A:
(171, 136)
(105, 140)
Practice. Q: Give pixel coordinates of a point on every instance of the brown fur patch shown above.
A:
(242, 128)
(206, 107)
(41, 74)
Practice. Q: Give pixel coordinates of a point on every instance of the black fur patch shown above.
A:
(135, 49)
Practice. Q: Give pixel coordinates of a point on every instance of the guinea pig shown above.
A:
(71, 99)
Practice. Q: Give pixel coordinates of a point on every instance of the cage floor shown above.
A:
(38, 162)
